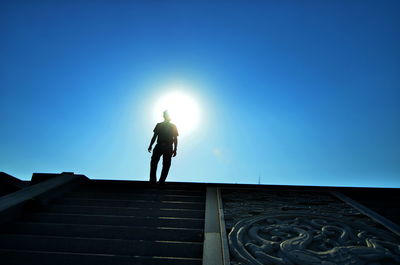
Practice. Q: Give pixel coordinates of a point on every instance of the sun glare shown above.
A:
(183, 109)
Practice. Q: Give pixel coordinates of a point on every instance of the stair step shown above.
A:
(132, 203)
(177, 222)
(125, 211)
(141, 191)
(135, 196)
(102, 246)
(143, 185)
(105, 231)
(22, 257)
(136, 185)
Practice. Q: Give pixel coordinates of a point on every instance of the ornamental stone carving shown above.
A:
(289, 239)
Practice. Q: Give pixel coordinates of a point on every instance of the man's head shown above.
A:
(166, 116)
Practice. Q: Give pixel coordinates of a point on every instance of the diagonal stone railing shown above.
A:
(13, 204)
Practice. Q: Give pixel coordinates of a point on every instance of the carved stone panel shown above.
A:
(276, 227)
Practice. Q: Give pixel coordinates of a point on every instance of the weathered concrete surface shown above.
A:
(212, 250)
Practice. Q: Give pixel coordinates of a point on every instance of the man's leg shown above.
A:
(153, 164)
(166, 165)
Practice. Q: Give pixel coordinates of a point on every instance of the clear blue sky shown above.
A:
(293, 92)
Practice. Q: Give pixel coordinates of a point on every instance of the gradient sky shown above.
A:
(291, 92)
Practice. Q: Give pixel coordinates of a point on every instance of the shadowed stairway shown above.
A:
(111, 222)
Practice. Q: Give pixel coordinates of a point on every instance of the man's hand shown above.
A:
(153, 139)
(174, 153)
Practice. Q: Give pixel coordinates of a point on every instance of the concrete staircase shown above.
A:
(111, 222)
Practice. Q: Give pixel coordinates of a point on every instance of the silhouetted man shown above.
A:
(166, 134)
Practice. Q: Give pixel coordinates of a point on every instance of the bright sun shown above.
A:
(182, 108)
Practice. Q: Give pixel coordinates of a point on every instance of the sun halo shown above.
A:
(182, 108)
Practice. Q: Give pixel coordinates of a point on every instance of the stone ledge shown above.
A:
(12, 205)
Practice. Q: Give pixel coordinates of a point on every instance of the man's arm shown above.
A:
(175, 145)
(153, 139)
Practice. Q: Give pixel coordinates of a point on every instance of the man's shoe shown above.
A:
(152, 183)
(161, 183)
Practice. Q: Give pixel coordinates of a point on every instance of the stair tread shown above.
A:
(101, 245)
(131, 203)
(121, 207)
(114, 216)
(197, 223)
(132, 200)
(135, 197)
(125, 211)
(129, 194)
(106, 226)
(141, 191)
(100, 239)
(105, 231)
(15, 256)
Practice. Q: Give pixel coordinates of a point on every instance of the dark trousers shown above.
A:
(164, 150)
